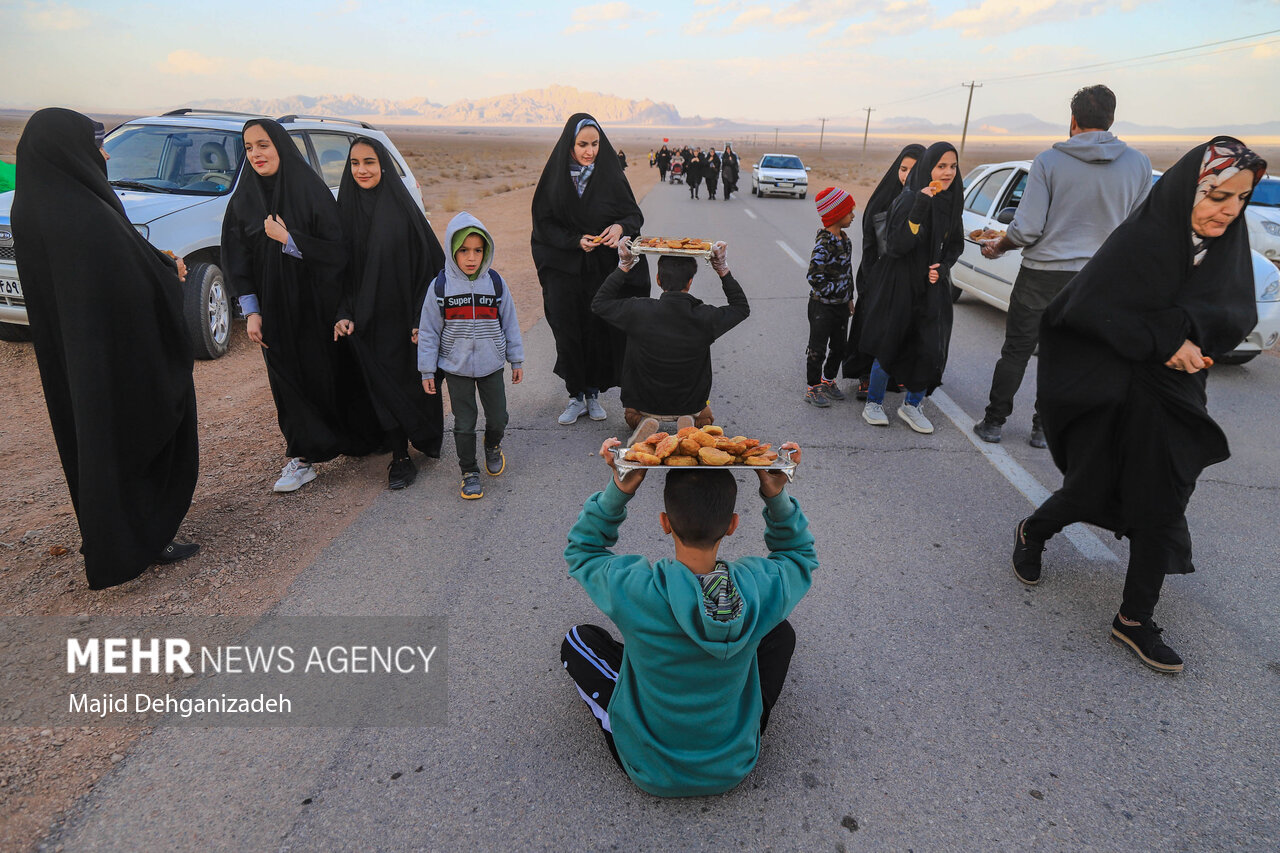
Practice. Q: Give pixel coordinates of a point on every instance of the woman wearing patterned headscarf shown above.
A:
(582, 207)
(1121, 380)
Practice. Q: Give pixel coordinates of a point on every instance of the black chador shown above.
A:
(394, 257)
(907, 325)
(105, 308)
(588, 350)
(321, 401)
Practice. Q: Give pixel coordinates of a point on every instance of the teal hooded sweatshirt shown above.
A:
(685, 713)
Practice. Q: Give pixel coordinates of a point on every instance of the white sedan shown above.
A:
(780, 174)
(992, 193)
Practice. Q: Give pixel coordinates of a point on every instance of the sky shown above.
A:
(762, 60)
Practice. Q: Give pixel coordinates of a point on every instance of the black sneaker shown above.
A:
(1037, 434)
(1144, 641)
(494, 462)
(177, 551)
(1026, 556)
(861, 393)
(401, 472)
(988, 431)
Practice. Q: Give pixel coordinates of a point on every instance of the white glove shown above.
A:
(626, 259)
(719, 258)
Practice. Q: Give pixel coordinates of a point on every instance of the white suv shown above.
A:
(992, 193)
(174, 174)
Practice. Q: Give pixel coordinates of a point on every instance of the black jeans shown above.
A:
(592, 657)
(462, 397)
(1153, 552)
(828, 331)
(1033, 290)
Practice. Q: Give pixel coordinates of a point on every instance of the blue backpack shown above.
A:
(437, 290)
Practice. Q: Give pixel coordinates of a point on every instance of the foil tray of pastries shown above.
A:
(690, 246)
(708, 447)
(980, 234)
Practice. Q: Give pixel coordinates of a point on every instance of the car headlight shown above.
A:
(1272, 228)
(143, 230)
(1270, 293)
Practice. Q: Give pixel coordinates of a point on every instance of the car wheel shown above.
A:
(804, 195)
(14, 333)
(207, 311)
(1237, 358)
(955, 293)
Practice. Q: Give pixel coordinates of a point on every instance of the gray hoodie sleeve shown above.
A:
(510, 330)
(430, 325)
(1033, 211)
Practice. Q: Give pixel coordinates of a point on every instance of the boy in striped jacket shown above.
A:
(467, 331)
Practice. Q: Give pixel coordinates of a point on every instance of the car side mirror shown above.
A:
(808, 168)
(1006, 214)
(754, 165)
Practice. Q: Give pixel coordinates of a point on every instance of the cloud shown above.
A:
(339, 9)
(616, 15)
(189, 62)
(55, 17)
(999, 17)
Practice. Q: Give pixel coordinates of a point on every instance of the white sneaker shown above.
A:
(294, 476)
(595, 410)
(873, 413)
(914, 416)
(576, 409)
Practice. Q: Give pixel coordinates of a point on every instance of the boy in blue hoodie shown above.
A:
(684, 699)
(467, 329)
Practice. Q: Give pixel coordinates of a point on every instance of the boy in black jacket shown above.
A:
(666, 374)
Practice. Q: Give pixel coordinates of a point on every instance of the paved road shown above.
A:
(933, 703)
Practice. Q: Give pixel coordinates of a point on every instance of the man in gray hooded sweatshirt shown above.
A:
(1077, 193)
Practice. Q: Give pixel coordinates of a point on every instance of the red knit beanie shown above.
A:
(833, 205)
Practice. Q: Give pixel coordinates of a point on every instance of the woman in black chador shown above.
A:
(393, 259)
(105, 308)
(695, 167)
(711, 173)
(283, 253)
(1121, 380)
(729, 171)
(582, 207)
(906, 323)
(875, 222)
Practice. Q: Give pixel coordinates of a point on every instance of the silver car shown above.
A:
(174, 174)
(992, 193)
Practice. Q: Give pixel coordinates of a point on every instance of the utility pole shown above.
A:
(867, 129)
(775, 139)
(964, 133)
(821, 133)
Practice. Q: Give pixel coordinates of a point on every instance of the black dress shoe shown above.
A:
(1026, 555)
(988, 431)
(175, 552)
(1144, 641)
(401, 472)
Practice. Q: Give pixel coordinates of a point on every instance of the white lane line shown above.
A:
(749, 212)
(1086, 542)
(792, 254)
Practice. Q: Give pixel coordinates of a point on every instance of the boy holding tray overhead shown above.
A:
(666, 373)
(684, 699)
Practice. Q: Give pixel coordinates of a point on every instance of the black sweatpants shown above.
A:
(828, 331)
(592, 657)
(1153, 552)
(463, 391)
(1033, 290)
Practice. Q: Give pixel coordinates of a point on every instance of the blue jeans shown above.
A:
(880, 381)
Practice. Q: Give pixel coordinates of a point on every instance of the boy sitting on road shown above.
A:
(831, 297)
(684, 699)
(666, 373)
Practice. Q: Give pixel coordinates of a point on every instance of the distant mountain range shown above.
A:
(549, 107)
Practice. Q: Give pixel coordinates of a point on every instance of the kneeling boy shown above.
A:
(684, 698)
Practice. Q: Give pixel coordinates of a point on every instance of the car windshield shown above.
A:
(1266, 193)
(779, 162)
(187, 160)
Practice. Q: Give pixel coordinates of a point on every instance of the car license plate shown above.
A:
(9, 287)
(785, 184)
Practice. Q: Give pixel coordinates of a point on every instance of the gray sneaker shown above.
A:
(914, 416)
(494, 461)
(471, 488)
(294, 476)
(988, 430)
(594, 410)
(576, 409)
(873, 413)
(814, 397)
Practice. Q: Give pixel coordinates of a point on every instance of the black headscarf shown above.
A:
(908, 319)
(105, 308)
(395, 256)
(561, 217)
(321, 401)
(1131, 435)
